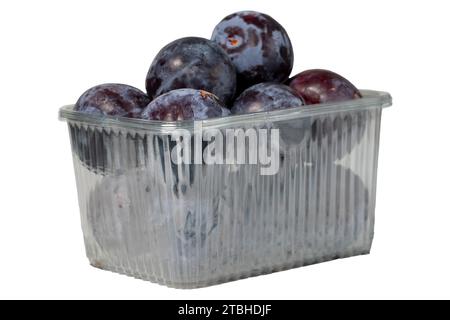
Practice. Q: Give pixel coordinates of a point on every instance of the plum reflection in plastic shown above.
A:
(189, 226)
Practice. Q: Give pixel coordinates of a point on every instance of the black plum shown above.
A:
(258, 46)
(113, 99)
(185, 104)
(195, 63)
(321, 86)
(266, 97)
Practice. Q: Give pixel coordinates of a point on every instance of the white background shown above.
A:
(51, 51)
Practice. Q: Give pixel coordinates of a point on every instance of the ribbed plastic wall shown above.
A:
(190, 226)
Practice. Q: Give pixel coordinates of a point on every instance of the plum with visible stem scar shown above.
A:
(185, 104)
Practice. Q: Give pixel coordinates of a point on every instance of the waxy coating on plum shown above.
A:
(194, 63)
(266, 97)
(258, 46)
(185, 104)
(113, 99)
(322, 86)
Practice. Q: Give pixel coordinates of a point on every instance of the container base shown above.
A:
(228, 278)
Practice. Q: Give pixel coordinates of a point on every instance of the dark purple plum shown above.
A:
(258, 46)
(91, 144)
(273, 96)
(194, 63)
(266, 97)
(185, 104)
(113, 99)
(321, 86)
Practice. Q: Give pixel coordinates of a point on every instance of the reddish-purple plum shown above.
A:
(185, 104)
(194, 63)
(258, 46)
(266, 97)
(113, 99)
(321, 86)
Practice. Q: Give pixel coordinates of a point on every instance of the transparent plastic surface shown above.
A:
(194, 225)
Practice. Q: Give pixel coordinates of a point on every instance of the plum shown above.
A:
(258, 45)
(184, 104)
(321, 86)
(194, 63)
(266, 97)
(113, 99)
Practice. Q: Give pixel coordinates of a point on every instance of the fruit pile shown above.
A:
(244, 68)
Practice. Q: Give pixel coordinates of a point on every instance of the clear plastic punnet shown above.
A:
(187, 224)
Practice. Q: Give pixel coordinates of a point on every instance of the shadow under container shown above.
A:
(195, 225)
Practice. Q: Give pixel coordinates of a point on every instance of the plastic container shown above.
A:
(194, 225)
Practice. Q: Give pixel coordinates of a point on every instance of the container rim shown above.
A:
(370, 99)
